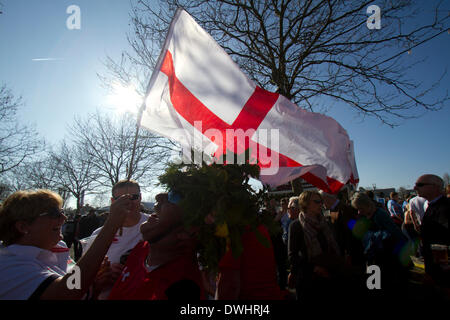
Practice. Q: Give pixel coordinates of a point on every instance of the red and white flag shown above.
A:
(200, 98)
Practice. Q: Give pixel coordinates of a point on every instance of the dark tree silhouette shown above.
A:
(314, 52)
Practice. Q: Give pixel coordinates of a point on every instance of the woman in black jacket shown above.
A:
(317, 268)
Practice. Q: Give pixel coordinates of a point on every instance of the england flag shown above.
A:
(199, 97)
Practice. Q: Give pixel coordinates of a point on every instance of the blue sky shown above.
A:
(55, 91)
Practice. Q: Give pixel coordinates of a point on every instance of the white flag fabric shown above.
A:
(200, 98)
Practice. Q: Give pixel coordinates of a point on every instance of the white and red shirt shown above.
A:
(25, 271)
(122, 243)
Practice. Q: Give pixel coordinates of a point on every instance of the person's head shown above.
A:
(293, 208)
(160, 198)
(311, 203)
(284, 203)
(125, 185)
(370, 194)
(166, 219)
(429, 186)
(32, 218)
(364, 205)
(393, 196)
(273, 203)
(129, 187)
(328, 199)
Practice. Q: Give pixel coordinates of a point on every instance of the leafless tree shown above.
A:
(39, 173)
(315, 52)
(18, 142)
(74, 171)
(446, 178)
(108, 142)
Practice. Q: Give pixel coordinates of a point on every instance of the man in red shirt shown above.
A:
(164, 266)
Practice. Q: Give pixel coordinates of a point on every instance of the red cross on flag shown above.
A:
(200, 98)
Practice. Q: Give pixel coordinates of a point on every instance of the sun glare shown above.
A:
(124, 98)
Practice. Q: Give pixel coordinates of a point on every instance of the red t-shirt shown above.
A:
(181, 276)
(257, 267)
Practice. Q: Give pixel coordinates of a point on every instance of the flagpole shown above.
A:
(133, 153)
(150, 83)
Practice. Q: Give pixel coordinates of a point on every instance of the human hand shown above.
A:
(119, 210)
(104, 276)
(291, 281)
(334, 215)
(116, 269)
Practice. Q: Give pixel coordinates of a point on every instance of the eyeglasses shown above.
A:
(53, 213)
(421, 184)
(174, 197)
(133, 196)
(318, 201)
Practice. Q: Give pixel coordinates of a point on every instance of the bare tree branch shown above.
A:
(307, 50)
(18, 142)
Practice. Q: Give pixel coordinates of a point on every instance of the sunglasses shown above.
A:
(174, 197)
(421, 184)
(318, 201)
(133, 196)
(53, 213)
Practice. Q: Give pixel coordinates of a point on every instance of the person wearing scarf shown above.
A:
(317, 269)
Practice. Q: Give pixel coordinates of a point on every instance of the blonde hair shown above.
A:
(24, 206)
(293, 202)
(305, 197)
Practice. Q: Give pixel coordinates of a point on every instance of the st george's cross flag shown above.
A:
(199, 97)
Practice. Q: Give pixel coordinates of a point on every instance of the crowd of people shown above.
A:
(323, 247)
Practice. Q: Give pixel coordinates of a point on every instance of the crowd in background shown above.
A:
(324, 245)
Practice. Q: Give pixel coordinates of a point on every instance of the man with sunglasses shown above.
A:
(435, 224)
(128, 235)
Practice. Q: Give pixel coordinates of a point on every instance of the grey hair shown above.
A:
(361, 199)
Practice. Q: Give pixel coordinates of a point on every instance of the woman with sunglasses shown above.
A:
(313, 252)
(34, 262)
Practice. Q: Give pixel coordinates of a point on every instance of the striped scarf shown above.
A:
(311, 227)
